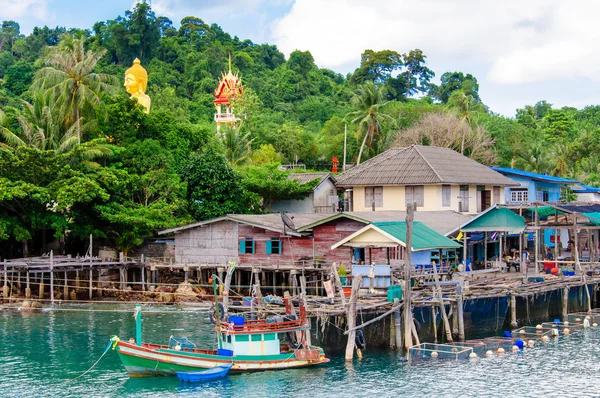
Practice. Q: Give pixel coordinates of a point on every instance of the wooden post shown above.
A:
(441, 302)
(408, 321)
(500, 253)
(460, 308)
(66, 288)
(91, 280)
(537, 238)
(465, 250)
(41, 292)
(556, 253)
(27, 288)
(294, 281)
(338, 283)
(434, 317)
(576, 245)
(5, 289)
(565, 303)
(485, 250)
(52, 277)
(225, 293)
(513, 311)
(521, 262)
(351, 316)
(398, 325)
(303, 298)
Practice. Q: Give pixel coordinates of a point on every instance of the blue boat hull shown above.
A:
(209, 374)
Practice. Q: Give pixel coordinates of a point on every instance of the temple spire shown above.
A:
(229, 52)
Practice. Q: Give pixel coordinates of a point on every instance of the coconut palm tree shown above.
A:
(237, 145)
(467, 109)
(368, 100)
(70, 80)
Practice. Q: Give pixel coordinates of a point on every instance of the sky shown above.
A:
(521, 51)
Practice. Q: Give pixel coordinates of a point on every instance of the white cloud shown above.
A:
(519, 41)
(14, 9)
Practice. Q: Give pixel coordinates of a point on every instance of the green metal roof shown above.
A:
(545, 211)
(498, 219)
(594, 217)
(423, 236)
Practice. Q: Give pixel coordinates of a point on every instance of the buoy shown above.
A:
(554, 332)
(538, 327)
(531, 343)
(586, 323)
(594, 324)
(522, 332)
(566, 331)
(545, 339)
(588, 318)
(489, 353)
(500, 351)
(472, 355)
(519, 344)
(434, 354)
(515, 348)
(177, 347)
(578, 320)
(454, 349)
(566, 323)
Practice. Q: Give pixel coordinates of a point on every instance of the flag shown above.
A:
(494, 236)
(460, 236)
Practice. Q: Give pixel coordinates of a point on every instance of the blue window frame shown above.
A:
(247, 246)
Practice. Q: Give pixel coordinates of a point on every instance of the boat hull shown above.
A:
(147, 360)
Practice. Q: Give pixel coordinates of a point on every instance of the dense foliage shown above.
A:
(79, 157)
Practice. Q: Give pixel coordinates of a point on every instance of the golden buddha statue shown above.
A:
(136, 80)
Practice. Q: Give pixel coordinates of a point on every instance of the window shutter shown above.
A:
(446, 196)
(269, 246)
(419, 195)
(368, 196)
(242, 247)
(280, 244)
(409, 197)
(378, 196)
(253, 250)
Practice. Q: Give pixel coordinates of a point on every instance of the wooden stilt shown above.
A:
(351, 316)
(91, 281)
(461, 318)
(52, 277)
(338, 283)
(565, 303)
(398, 325)
(440, 298)
(27, 287)
(513, 311)
(66, 288)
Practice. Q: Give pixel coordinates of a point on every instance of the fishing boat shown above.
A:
(205, 375)
(276, 342)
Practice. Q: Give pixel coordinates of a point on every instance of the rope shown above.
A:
(112, 342)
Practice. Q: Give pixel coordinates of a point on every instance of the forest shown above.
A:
(79, 157)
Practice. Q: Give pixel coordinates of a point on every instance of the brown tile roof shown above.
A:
(303, 178)
(421, 165)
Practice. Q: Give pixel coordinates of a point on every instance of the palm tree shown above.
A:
(467, 110)
(534, 157)
(237, 145)
(70, 79)
(368, 100)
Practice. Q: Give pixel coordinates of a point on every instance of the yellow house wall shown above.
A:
(394, 198)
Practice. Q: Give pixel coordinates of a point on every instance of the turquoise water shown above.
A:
(39, 353)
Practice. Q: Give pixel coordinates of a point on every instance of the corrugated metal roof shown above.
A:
(534, 176)
(497, 219)
(443, 222)
(303, 178)
(423, 237)
(421, 165)
(585, 189)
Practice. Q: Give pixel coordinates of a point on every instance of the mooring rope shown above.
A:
(112, 342)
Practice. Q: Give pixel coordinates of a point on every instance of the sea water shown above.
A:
(40, 353)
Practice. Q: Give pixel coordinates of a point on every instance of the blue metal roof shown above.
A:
(586, 189)
(534, 176)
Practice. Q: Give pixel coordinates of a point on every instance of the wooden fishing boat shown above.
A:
(278, 342)
(204, 375)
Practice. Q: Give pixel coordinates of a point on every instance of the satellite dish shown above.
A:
(287, 222)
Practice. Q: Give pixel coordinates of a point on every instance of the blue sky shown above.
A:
(520, 51)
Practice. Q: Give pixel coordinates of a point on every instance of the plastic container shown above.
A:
(237, 320)
(224, 353)
(393, 292)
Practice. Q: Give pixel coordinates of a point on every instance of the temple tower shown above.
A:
(230, 87)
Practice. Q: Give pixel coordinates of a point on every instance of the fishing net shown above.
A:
(477, 346)
(430, 351)
(532, 332)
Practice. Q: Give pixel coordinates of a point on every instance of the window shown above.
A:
(270, 336)
(415, 194)
(464, 199)
(373, 197)
(274, 246)
(446, 196)
(496, 194)
(247, 246)
(541, 195)
(256, 337)
(519, 195)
